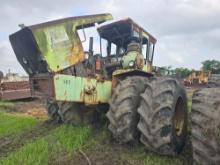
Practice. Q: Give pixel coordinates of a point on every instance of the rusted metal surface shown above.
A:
(53, 56)
(81, 89)
(15, 85)
(52, 46)
(42, 86)
(14, 90)
(15, 94)
(119, 32)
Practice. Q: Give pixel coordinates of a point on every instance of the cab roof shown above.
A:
(120, 31)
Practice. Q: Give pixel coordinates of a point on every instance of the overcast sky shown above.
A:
(188, 31)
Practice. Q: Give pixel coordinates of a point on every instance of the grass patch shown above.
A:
(139, 156)
(31, 154)
(6, 105)
(189, 105)
(72, 138)
(58, 146)
(13, 124)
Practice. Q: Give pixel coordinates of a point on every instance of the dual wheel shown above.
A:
(152, 110)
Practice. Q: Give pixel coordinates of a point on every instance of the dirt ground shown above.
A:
(12, 143)
(30, 107)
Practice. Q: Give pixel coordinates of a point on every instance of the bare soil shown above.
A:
(29, 107)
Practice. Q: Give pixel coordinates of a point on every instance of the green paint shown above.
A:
(130, 56)
(79, 89)
(59, 42)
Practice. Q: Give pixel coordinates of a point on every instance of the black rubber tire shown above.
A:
(52, 110)
(122, 113)
(77, 113)
(214, 81)
(69, 113)
(206, 126)
(158, 110)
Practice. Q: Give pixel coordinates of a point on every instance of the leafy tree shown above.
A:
(182, 72)
(211, 65)
(166, 70)
(177, 72)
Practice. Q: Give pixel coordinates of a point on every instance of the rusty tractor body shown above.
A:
(14, 87)
(58, 67)
(120, 75)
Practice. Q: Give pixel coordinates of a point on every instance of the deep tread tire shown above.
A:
(69, 113)
(77, 113)
(52, 110)
(214, 81)
(122, 114)
(157, 115)
(206, 126)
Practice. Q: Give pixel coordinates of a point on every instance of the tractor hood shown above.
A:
(52, 46)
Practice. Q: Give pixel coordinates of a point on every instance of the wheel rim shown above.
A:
(179, 117)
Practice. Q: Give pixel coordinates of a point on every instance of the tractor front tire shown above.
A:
(77, 113)
(122, 115)
(52, 110)
(69, 113)
(206, 126)
(163, 116)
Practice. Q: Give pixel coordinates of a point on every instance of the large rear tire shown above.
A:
(122, 114)
(206, 126)
(163, 116)
(214, 81)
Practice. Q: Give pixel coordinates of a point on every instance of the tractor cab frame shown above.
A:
(120, 34)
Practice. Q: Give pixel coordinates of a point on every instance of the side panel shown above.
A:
(79, 89)
(60, 46)
(59, 42)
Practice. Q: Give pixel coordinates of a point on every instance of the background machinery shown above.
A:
(14, 87)
(197, 78)
(79, 81)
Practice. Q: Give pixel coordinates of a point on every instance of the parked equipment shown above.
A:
(14, 87)
(141, 105)
(197, 78)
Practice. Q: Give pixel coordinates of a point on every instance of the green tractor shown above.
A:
(79, 81)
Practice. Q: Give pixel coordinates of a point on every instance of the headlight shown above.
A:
(86, 55)
(131, 63)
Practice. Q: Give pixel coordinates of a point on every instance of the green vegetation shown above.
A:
(139, 156)
(64, 144)
(6, 105)
(72, 138)
(208, 65)
(14, 124)
(211, 65)
(178, 72)
(64, 139)
(31, 154)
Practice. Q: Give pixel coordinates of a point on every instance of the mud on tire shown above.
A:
(122, 114)
(214, 81)
(206, 126)
(163, 116)
(76, 113)
(52, 110)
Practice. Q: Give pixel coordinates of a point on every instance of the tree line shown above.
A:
(207, 65)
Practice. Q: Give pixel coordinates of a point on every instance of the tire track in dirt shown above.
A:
(12, 143)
